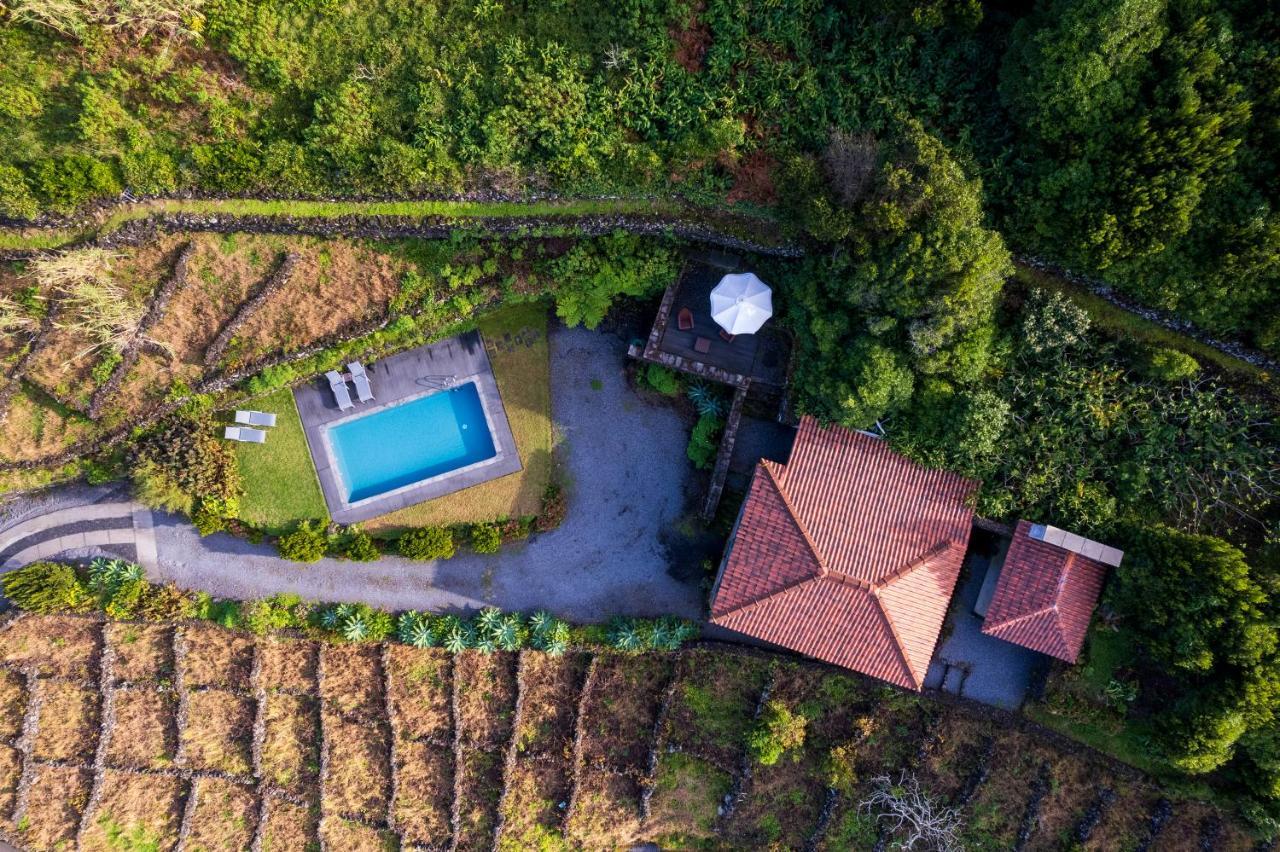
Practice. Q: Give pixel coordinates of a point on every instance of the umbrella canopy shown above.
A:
(741, 303)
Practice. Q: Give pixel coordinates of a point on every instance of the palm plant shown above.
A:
(509, 635)
(332, 618)
(541, 622)
(108, 575)
(705, 399)
(488, 620)
(627, 636)
(456, 640)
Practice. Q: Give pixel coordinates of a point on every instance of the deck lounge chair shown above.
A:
(361, 380)
(340, 393)
(684, 320)
(245, 435)
(256, 418)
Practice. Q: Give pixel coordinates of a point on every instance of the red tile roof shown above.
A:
(1045, 596)
(848, 553)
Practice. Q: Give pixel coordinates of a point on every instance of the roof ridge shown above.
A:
(781, 590)
(893, 577)
(1052, 608)
(898, 644)
(795, 519)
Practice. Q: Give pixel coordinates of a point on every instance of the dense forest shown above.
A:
(914, 150)
(1128, 139)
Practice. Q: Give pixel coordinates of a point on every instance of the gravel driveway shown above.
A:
(627, 474)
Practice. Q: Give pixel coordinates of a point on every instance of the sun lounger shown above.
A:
(245, 435)
(256, 418)
(361, 380)
(340, 393)
(684, 319)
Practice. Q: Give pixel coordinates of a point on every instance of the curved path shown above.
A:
(627, 499)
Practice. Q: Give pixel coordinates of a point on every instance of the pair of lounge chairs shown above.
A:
(338, 384)
(245, 433)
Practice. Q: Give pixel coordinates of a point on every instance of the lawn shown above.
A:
(280, 485)
(516, 340)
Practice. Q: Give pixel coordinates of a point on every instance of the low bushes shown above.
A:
(311, 540)
(307, 543)
(426, 544)
(485, 538)
(778, 731)
(118, 589)
(704, 442)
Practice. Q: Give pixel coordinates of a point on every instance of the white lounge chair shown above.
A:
(245, 435)
(340, 393)
(256, 418)
(361, 380)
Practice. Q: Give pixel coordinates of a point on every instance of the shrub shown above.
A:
(306, 543)
(778, 731)
(16, 200)
(485, 538)
(427, 543)
(704, 442)
(45, 587)
(358, 546)
(1051, 322)
(278, 612)
(705, 399)
(553, 510)
(181, 466)
(415, 628)
(658, 378)
(220, 611)
(68, 182)
(166, 603)
(1168, 365)
(207, 521)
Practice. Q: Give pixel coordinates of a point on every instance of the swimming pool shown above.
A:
(410, 442)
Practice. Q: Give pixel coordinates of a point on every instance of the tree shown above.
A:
(594, 272)
(778, 731)
(909, 811)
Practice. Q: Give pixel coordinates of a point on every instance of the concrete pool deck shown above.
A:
(397, 379)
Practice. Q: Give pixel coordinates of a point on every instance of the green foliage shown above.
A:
(1169, 365)
(485, 538)
(704, 441)
(306, 543)
(182, 466)
(425, 544)
(277, 612)
(594, 272)
(416, 629)
(661, 379)
(779, 730)
(358, 546)
(705, 399)
(47, 587)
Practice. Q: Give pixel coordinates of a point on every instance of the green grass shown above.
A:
(279, 479)
(1123, 324)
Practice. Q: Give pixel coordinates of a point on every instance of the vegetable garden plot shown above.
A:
(223, 817)
(54, 804)
(485, 685)
(1073, 786)
(54, 645)
(351, 836)
(352, 685)
(424, 793)
(1183, 830)
(288, 665)
(291, 743)
(135, 811)
(479, 787)
(714, 703)
(10, 776)
(954, 753)
(216, 657)
(606, 812)
(550, 691)
(358, 779)
(1125, 820)
(218, 734)
(620, 713)
(537, 793)
(420, 683)
(145, 735)
(288, 827)
(13, 703)
(996, 811)
(688, 793)
(67, 728)
(143, 652)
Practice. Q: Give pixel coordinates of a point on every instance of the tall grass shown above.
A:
(15, 318)
(75, 18)
(92, 304)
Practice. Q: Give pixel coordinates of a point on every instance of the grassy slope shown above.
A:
(523, 374)
(279, 480)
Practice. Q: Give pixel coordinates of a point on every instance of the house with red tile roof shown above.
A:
(1046, 590)
(849, 553)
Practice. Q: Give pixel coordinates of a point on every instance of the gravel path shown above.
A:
(627, 472)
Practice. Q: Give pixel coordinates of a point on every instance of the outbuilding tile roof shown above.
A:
(1045, 596)
(848, 553)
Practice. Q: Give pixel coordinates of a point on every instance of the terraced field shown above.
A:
(122, 735)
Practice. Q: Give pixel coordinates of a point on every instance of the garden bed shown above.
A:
(620, 713)
(352, 684)
(357, 779)
(486, 695)
(714, 704)
(352, 836)
(13, 703)
(291, 743)
(142, 652)
(67, 728)
(10, 776)
(288, 827)
(145, 735)
(218, 732)
(424, 793)
(288, 665)
(420, 685)
(537, 793)
(687, 796)
(215, 657)
(606, 813)
(223, 818)
(479, 785)
(54, 806)
(135, 811)
(550, 694)
(54, 645)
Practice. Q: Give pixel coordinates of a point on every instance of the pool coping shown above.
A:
(395, 382)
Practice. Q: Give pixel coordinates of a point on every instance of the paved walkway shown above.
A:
(124, 528)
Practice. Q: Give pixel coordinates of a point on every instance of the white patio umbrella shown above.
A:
(741, 303)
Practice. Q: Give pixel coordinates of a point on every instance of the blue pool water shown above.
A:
(410, 442)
